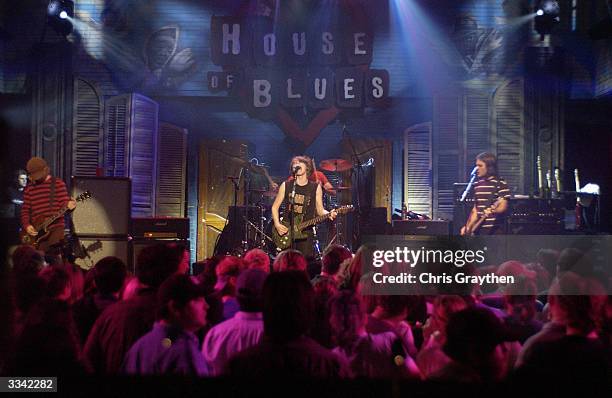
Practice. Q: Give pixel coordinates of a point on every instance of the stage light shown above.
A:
(547, 16)
(59, 13)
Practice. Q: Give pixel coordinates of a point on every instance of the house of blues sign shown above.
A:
(279, 71)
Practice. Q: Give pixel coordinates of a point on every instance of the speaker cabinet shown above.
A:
(108, 212)
(94, 249)
(139, 244)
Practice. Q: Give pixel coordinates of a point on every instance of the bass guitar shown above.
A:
(283, 242)
(472, 228)
(42, 223)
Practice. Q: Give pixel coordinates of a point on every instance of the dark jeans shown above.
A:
(306, 246)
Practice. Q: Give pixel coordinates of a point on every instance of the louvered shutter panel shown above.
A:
(143, 155)
(477, 129)
(417, 168)
(171, 175)
(131, 147)
(87, 133)
(509, 124)
(117, 125)
(446, 140)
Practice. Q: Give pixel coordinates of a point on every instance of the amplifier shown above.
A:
(421, 227)
(160, 228)
(536, 210)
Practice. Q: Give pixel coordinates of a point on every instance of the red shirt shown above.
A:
(36, 202)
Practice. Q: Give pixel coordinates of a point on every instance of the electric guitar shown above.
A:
(42, 223)
(578, 208)
(283, 242)
(472, 228)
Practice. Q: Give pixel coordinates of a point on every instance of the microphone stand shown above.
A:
(468, 188)
(247, 184)
(236, 183)
(357, 163)
(292, 212)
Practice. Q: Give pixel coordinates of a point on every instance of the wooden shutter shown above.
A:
(87, 134)
(477, 129)
(143, 155)
(446, 140)
(171, 175)
(417, 168)
(509, 133)
(116, 136)
(131, 147)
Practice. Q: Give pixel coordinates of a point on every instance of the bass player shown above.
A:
(491, 194)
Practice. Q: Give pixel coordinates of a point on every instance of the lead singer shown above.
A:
(307, 203)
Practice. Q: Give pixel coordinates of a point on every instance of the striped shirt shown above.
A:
(36, 199)
(486, 191)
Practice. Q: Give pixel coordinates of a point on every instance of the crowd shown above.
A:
(251, 317)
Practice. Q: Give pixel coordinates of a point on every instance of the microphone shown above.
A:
(296, 169)
(474, 171)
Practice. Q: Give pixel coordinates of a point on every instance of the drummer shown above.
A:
(319, 178)
(261, 188)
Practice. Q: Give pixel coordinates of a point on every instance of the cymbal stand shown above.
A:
(259, 230)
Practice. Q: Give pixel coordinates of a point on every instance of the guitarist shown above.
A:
(308, 202)
(44, 197)
(489, 189)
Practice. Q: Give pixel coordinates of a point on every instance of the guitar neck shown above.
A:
(312, 221)
(54, 217)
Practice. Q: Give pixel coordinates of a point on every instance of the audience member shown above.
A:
(431, 357)
(574, 260)
(333, 256)
(368, 355)
(244, 330)
(124, 322)
(57, 283)
(569, 307)
(473, 343)
(324, 289)
(351, 270)
(576, 354)
(520, 300)
(172, 346)
(48, 343)
(390, 315)
(286, 351)
(258, 259)
(108, 275)
(548, 259)
(29, 287)
(288, 260)
(227, 273)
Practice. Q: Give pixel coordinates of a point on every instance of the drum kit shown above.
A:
(250, 226)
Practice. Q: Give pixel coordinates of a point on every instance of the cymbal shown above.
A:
(335, 165)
